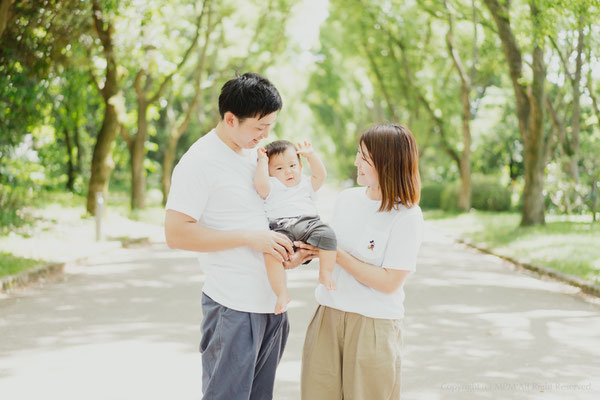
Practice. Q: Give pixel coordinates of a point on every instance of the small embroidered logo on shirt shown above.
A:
(371, 245)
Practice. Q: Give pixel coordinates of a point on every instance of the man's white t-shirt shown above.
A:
(214, 185)
(284, 201)
(384, 239)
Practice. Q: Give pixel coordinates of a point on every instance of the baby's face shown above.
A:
(286, 167)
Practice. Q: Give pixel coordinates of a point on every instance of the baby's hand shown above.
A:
(305, 148)
(262, 154)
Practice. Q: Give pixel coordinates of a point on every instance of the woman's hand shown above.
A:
(304, 253)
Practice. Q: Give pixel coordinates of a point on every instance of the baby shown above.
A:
(291, 209)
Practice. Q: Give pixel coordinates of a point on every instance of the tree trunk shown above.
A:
(464, 165)
(530, 110)
(4, 14)
(576, 119)
(78, 164)
(137, 156)
(464, 197)
(594, 195)
(102, 163)
(70, 167)
(167, 165)
(533, 198)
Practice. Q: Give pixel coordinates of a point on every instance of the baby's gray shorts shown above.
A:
(306, 228)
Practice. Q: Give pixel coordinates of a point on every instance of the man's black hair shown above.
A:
(279, 147)
(248, 96)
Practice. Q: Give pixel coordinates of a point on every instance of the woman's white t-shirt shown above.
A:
(384, 239)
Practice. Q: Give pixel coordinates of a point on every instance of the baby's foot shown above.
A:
(282, 302)
(326, 280)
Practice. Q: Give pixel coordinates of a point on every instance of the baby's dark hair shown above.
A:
(279, 147)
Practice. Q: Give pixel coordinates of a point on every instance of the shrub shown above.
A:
(18, 187)
(486, 194)
(449, 197)
(431, 194)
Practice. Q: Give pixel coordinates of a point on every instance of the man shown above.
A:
(213, 207)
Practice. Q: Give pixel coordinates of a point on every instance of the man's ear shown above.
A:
(230, 119)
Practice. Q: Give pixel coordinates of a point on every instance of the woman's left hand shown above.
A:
(304, 253)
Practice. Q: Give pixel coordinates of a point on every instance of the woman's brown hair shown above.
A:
(395, 156)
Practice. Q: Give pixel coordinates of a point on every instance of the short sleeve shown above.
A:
(189, 189)
(404, 241)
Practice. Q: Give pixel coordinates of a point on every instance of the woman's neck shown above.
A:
(374, 192)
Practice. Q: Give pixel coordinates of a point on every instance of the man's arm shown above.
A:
(261, 175)
(317, 168)
(184, 233)
(382, 279)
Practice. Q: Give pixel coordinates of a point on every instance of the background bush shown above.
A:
(431, 195)
(486, 194)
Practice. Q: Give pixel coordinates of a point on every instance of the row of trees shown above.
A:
(441, 65)
(119, 71)
(93, 90)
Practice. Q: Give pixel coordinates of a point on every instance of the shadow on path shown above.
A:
(127, 325)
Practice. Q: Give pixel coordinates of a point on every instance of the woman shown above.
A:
(353, 343)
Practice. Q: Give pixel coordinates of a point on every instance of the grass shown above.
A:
(567, 244)
(51, 210)
(10, 265)
(118, 202)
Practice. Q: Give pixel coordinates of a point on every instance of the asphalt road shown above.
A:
(125, 325)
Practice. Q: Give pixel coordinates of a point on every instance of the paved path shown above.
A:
(126, 326)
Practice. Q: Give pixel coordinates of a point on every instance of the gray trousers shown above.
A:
(240, 352)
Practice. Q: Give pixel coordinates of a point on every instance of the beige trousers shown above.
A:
(351, 357)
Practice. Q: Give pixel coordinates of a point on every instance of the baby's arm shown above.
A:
(261, 175)
(317, 168)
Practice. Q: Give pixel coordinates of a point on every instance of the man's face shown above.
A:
(247, 133)
(286, 167)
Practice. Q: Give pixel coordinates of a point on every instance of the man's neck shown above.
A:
(224, 134)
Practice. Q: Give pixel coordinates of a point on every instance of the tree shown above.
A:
(177, 125)
(530, 104)
(101, 158)
(148, 93)
(4, 14)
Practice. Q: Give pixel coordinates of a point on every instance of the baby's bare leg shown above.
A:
(327, 262)
(276, 275)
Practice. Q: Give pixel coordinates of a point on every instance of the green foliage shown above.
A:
(20, 178)
(431, 195)
(10, 264)
(566, 244)
(486, 194)
(376, 61)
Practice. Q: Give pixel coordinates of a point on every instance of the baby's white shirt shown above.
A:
(294, 201)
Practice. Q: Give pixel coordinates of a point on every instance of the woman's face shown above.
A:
(366, 172)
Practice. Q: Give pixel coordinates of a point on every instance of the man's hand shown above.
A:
(276, 244)
(262, 154)
(304, 253)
